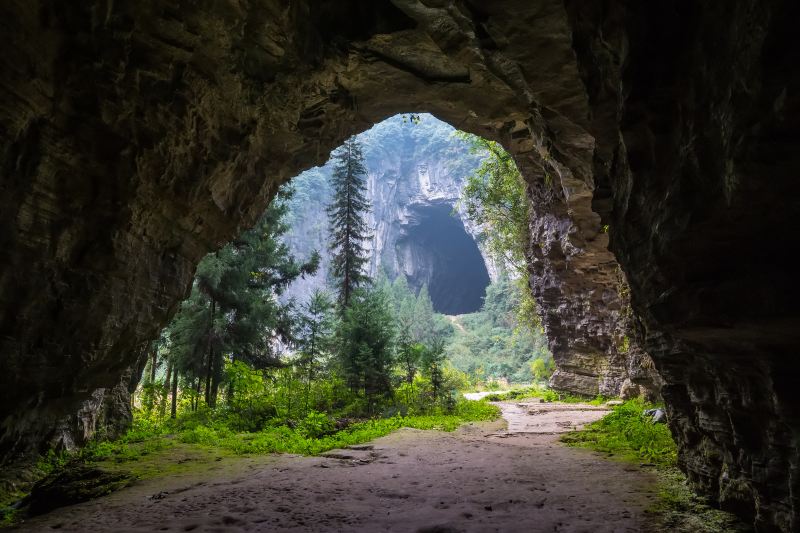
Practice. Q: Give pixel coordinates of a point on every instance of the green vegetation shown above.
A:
(494, 344)
(629, 435)
(543, 393)
(232, 314)
(314, 434)
(248, 374)
(495, 198)
(348, 230)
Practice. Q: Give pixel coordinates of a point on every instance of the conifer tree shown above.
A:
(233, 310)
(433, 360)
(314, 336)
(348, 230)
(423, 318)
(366, 342)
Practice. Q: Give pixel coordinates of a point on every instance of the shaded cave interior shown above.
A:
(447, 258)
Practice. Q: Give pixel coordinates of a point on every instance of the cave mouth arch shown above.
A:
(171, 130)
(454, 265)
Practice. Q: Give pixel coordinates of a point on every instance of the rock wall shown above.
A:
(137, 138)
(413, 170)
(701, 158)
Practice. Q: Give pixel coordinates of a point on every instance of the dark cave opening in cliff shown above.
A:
(450, 256)
(417, 168)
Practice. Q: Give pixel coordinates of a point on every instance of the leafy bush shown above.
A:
(316, 425)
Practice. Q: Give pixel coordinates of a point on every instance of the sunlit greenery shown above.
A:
(629, 433)
(313, 434)
(543, 393)
(493, 344)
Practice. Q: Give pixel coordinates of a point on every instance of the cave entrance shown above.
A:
(416, 169)
(447, 258)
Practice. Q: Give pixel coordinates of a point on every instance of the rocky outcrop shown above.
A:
(135, 138)
(702, 164)
(415, 174)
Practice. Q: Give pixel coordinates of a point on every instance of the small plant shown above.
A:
(626, 344)
(316, 425)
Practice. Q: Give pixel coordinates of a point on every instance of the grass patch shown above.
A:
(627, 434)
(301, 439)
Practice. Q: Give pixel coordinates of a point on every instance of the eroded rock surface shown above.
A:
(136, 138)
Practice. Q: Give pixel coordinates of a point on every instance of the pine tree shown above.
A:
(314, 336)
(366, 336)
(348, 230)
(433, 361)
(422, 328)
(233, 310)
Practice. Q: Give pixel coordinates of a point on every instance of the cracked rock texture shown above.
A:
(136, 138)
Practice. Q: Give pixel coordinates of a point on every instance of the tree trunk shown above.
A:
(153, 363)
(165, 391)
(197, 394)
(210, 353)
(310, 367)
(174, 410)
(231, 388)
(216, 377)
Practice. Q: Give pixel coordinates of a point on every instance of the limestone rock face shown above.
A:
(415, 174)
(138, 136)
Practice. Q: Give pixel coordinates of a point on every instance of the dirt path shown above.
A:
(484, 477)
(456, 321)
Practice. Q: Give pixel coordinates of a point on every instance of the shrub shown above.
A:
(316, 424)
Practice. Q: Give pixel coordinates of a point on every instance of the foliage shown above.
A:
(680, 509)
(629, 433)
(493, 344)
(542, 369)
(543, 393)
(348, 230)
(315, 434)
(365, 339)
(233, 312)
(495, 198)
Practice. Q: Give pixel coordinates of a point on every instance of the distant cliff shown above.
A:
(415, 175)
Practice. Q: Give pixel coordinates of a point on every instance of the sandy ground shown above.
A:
(483, 477)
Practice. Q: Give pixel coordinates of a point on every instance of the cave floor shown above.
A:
(497, 476)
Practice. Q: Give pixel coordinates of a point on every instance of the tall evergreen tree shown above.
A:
(233, 308)
(314, 336)
(422, 326)
(348, 230)
(433, 361)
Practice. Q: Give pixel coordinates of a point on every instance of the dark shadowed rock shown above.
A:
(73, 485)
